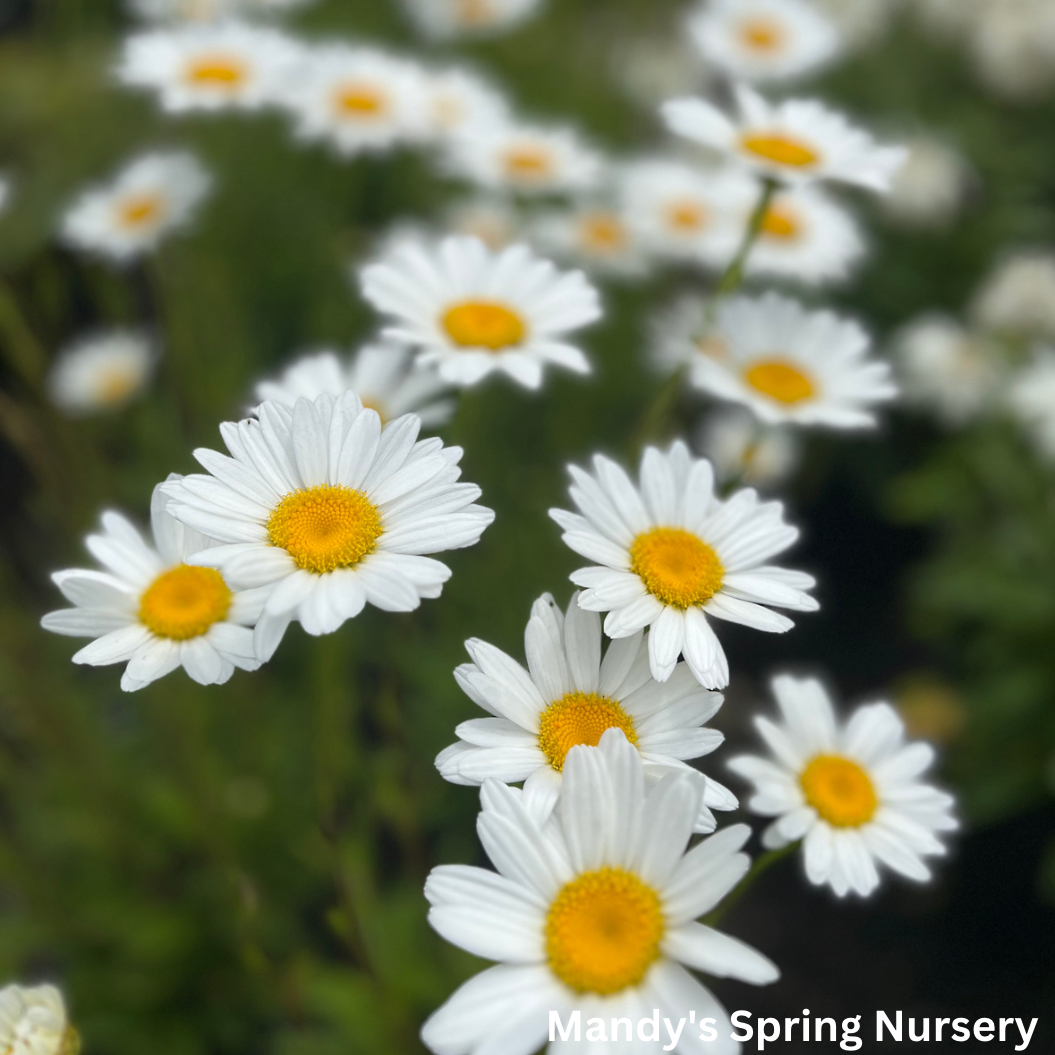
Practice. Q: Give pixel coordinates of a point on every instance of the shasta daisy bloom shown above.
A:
(208, 66)
(471, 312)
(490, 218)
(593, 912)
(326, 509)
(443, 19)
(33, 1022)
(1018, 299)
(456, 99)
(794, 141)
(101, 372)
(357, 99)
(569, 696)
(764, 40)
(153, 608)
(1030, 398)
(669, 553)
(681, 331)
(383, 376)
(208, 10)
(743, 450)
(149, 198)
(794, 366)
(523, 158)
(850, 791)
(598, 236)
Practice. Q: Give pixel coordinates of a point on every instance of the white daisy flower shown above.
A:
(595, 235)
(357, 99)
(383, 376)
(489, 218)
(101, 372)
(326, 509)
(209, 10)
(524, 158)
(33, 1022)
(744, 451)
(669, 553)
(930, 187)
(764, 40)
(5, 192)
(443, 19)
(456, 100)
(794, 141)
(595, 912)
(1031, 398)
(569, 696)
(850, 791)
(1018, 298)
(472, 312)
(215, 66)
(680, 332)
(154, 607)
(794, 366)
(149, 198)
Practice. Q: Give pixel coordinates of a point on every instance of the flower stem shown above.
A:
(761, 865)
(734, 273)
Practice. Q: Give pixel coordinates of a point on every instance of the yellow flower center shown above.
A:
(762, 34)
(375, 405)
(184, 602)
(114, 384)
(781, 149)
(678, 568)
(228, 72)
(484, 324)
(140, 210)
(603, 931)
(603, 232)
(687, 217)
(474, 12)
(781, 222)
(580, 718)
(325, 527)
(839, 790)
(780, 380)
(361, 100)
(528, 162)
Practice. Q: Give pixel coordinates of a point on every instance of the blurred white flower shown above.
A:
(943, 367)
(850, 792)
(680, 332)
(209, 10)
(33, 1022)
(596, 236)
(744, 451)
(454, 18)
(929, 188)
(384, 378)
(213, 66)
(456, 100)
(490, 218)
(1018, 297)
(651, 69)
(793, 141)
(1013, 43)
(101, 372)
(5, 192)
(1031, 398)
(764, 40)
(471, 312)
(149, 198)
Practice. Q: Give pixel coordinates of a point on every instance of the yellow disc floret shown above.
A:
(687, 217)
(484, 324)
(603, 931)
(184, 602)
(325, 527)
(676, 566)
(140, 210)
(603, 232)
(361, 101)
(839, 790)
(781, 149)
(580, 718)
(780, 380)
(528, 162)
(762, 34)
(781, 222)
(217, 71)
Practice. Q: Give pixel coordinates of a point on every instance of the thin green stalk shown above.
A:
(23, 351)
(734, 273)
(760, 867)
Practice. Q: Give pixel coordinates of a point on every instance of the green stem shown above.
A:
(21, 348)
(760, 867)
(734, 273)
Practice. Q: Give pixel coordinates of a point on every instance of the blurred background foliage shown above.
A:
(239, 869)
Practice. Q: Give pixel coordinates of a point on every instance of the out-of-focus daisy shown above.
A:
(5, 192)
(1032, 399)
(33, 1022)
(651, 69)
(101, 372)
(947, 369)
(929, 188)
(597, 236)
(593, 912)
(568, 696)
(1018, 298)
(524, 158)
(382, 376)
(213, 66)
(744, 451)
(326, 509)
(668, 553)
(1012, 42)
(764, 40)
(472, 312)
(153, 609)
(489, 218)
(681, 331)
(209, 10)
(456, 100)
(794, 366)
(454, 18)
(792, 141)
(357, 99)
(148, 199)
(851, 792)
(682, 212)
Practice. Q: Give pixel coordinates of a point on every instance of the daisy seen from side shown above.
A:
(101, 372)
(33, 1021)
(444, 19)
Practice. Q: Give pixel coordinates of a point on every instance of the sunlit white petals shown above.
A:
(101, 372)
(457, 100)
(455, 18)
(33, 1021)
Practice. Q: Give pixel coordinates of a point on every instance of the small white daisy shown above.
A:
(930, 187)
(681, 331)
(764, 40)
(358, 99)
(595, 235)
(794, 366)
(850, 791)
(490, 218)
(1031, 398)
(383, 376)
(569, 695)
(152, 608)
(101, 372)
(594, 912)
(669, 553)
(33, 1022)
(326, 509)
(1018, 297)
(443, 19)
(149, 198)
(456, 99)
(523, 158)
(209, 10)
(472, 312)
(213, 66)
(794, 141)
(744, 451)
